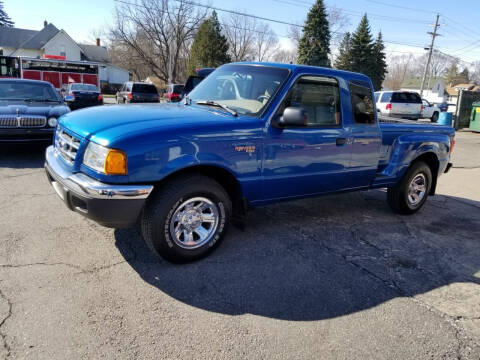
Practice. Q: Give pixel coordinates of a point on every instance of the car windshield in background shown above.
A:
(144, 88)
(244, 88)
(17, 90)
(406, 97)
(83, 87)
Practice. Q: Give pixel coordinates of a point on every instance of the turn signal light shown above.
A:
(116, 163)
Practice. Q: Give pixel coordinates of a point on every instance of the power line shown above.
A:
(359, 13)
(399, 6)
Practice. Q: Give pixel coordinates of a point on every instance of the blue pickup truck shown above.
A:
(250, 134)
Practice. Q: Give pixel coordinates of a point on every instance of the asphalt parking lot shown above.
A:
(339, 277)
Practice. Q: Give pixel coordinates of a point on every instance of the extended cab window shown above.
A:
(319, 97)
(362, 103)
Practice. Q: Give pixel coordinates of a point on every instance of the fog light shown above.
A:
(52, 122)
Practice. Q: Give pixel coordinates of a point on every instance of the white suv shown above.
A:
(399, 104)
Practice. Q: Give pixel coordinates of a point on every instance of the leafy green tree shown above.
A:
(344, 59)
(363, 60)
(5, 20)
(380, 63)
(210, 47)
(314, 45)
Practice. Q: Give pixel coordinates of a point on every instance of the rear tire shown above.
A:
(411, 193)
(186, 219)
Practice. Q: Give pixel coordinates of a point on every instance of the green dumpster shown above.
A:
(475, 117)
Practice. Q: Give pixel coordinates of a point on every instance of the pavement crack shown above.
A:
(3, 335)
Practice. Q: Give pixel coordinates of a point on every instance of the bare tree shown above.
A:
(285, 56)
(158, 34)
(266, 42)
(475, 77)
(240, 32)
(399, 67)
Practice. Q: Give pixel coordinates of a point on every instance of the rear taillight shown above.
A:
(422, 107)
(100, 97)
(130, 96)
(389, 107)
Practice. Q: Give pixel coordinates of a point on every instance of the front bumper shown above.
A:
(116, 206)
(26, 134)
(406, 116)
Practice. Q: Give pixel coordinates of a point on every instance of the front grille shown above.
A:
(66, 145)
(27, 121)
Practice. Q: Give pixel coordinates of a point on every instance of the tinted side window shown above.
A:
(406, 97)
(362, 103)
(377, 96)
(386, 97)
(319, 97)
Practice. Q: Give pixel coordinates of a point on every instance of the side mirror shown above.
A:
(292, 116)
(69, 98)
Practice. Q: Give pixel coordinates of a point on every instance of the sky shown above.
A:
(401, 22)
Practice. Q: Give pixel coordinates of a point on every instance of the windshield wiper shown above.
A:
(214, 103)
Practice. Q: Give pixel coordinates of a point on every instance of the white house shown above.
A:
(52, 41)
(435, 94)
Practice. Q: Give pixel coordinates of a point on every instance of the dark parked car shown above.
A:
(137, 92)
(194, 80)
(29, 110)
(174, 93)
(78, 95)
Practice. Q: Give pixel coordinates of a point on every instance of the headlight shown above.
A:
(52, 122)
(105, 160)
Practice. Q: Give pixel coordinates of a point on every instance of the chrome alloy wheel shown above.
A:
(194, 223)
(417, 189)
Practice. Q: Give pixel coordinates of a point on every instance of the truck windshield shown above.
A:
(247, 89)
(19, 90)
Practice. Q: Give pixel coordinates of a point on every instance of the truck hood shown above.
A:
(34, 108)
(107, 123)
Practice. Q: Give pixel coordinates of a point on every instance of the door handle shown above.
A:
(341, 141)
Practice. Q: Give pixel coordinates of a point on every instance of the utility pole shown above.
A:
(434, 35)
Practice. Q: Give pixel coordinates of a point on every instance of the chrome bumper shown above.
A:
(115, 206)
(86, 186)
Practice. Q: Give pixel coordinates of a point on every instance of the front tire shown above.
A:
(435, 117)
(411, 193)
(186, 219)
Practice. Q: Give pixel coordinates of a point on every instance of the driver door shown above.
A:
(311, 159)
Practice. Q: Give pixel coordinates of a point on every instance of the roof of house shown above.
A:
(451, 90)
(39, 40)
(464, 86)
(14, 37)
(32, 39)
(95, 53)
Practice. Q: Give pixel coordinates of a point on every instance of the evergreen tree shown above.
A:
(344, 59)
(363, 54)
(451, 74)
(5, 20)
(314, 46)
(210, 47)
(380, 63)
